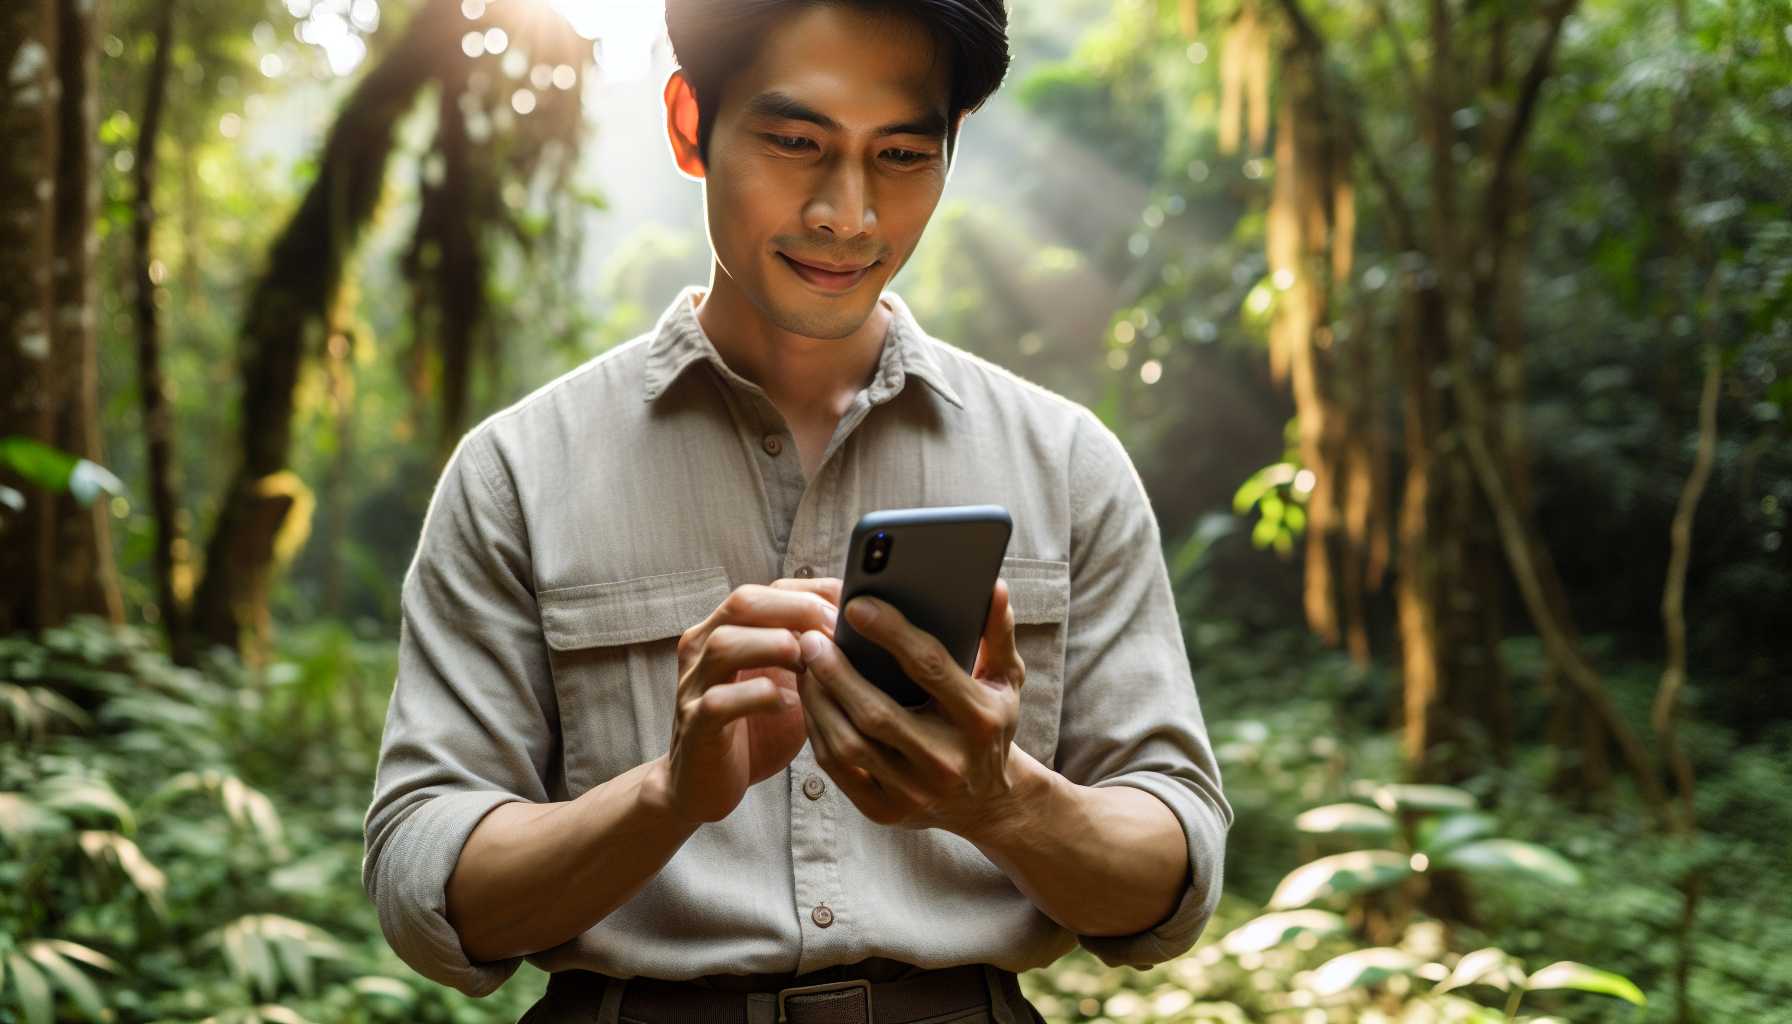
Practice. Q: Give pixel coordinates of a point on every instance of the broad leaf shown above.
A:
(1351, 819)
(1272, 930)
(1488, 966)
(1510, 856)
(1436, 835)
(1341, 873)
(1395, 797)
(1359, 968)
(1571, 975)
(70, 979)
(34, 991)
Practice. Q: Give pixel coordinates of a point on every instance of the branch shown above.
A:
(1673, 596)
(1524, 115)
(1398, 208)
(1401, 58)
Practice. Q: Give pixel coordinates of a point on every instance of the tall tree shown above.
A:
(1464, 517)
(265, 511)
(57, 551)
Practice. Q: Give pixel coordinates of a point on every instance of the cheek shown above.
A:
(747, 204)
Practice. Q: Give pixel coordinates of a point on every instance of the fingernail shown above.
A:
(861, 611)
(789, 698)
(811, 645)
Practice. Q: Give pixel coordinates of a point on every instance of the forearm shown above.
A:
(532, 876)
(1108, 860)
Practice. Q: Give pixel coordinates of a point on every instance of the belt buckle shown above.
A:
(826, 986)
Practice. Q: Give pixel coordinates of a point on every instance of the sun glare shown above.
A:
(623, 30)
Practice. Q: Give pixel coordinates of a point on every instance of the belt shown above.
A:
(922, 995)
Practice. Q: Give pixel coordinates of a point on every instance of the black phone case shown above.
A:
(940, 572)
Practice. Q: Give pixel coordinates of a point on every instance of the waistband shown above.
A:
(885, 992)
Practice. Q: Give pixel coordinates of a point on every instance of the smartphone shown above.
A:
(938, 566)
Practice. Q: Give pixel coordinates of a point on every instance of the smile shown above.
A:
(827, 280)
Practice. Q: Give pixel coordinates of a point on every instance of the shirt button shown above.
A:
(803, 572)
(821, 915)
(813, 787)
(773, 444)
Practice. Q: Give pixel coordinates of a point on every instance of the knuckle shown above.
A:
(877, 720)
(739, 602)
(930, 662)
(723, 644)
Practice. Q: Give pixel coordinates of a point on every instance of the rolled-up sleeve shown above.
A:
(473, 719)
(1130, 713)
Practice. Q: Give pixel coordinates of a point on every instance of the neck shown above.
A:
(804, 377)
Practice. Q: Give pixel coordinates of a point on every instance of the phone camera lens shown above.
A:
(877, 552)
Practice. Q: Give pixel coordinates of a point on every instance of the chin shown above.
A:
(801, 311)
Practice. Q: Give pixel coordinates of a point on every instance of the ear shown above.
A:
(681, 124)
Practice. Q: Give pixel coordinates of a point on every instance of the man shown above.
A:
(622, 743)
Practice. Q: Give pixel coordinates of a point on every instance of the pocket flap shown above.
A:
(1038, 588)
(632, 610)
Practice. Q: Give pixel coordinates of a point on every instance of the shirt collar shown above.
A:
(679, 341)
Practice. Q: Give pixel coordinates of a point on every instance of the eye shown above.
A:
(907, 156)
(790, 142)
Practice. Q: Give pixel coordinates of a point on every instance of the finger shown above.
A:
(875, 715)
(707, 713)
(997, 656)
(850, 759)
(922, 658)
(730, 648)
(808, 692)
(788, 607)
(826, 586)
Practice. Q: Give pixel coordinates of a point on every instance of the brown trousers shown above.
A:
(584, 997)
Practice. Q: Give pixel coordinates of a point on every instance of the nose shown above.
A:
(842, 203)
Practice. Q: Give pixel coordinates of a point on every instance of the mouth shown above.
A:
(826, 278)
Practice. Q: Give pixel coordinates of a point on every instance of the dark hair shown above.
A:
(713, 39)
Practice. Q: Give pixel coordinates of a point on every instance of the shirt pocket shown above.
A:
(613, 647)
(1039, 593)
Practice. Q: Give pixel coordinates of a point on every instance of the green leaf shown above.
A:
(1489, 966)
(1270, 930)
(73, 793)
(1510, 856)
(79, 987)
(37, 462)
(1436, 835)
(1339, 874)
(391, 988)
(1361, 968)
(1352, 819)
(20, 816)
(1571, 975)
(34, 991)
(295, 961)
(76, 951)
(1395, 797)
(260, 962)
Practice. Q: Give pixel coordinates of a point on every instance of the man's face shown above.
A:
(787, 195)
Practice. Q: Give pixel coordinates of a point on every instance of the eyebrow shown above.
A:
(783, 106)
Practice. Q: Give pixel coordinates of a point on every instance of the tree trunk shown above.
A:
(158, 435)
(85, 574)
(55, 554)
(286, 312)
(27, 239)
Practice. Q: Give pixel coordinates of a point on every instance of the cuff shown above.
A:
(1205, 829)
(409, 882)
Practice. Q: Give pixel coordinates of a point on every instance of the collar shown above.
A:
(679, 342)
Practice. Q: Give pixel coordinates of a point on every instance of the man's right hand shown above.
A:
(732, 727)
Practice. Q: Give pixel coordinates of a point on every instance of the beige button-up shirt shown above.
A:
(574, 535)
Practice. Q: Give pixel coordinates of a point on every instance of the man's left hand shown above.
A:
(943, 765)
